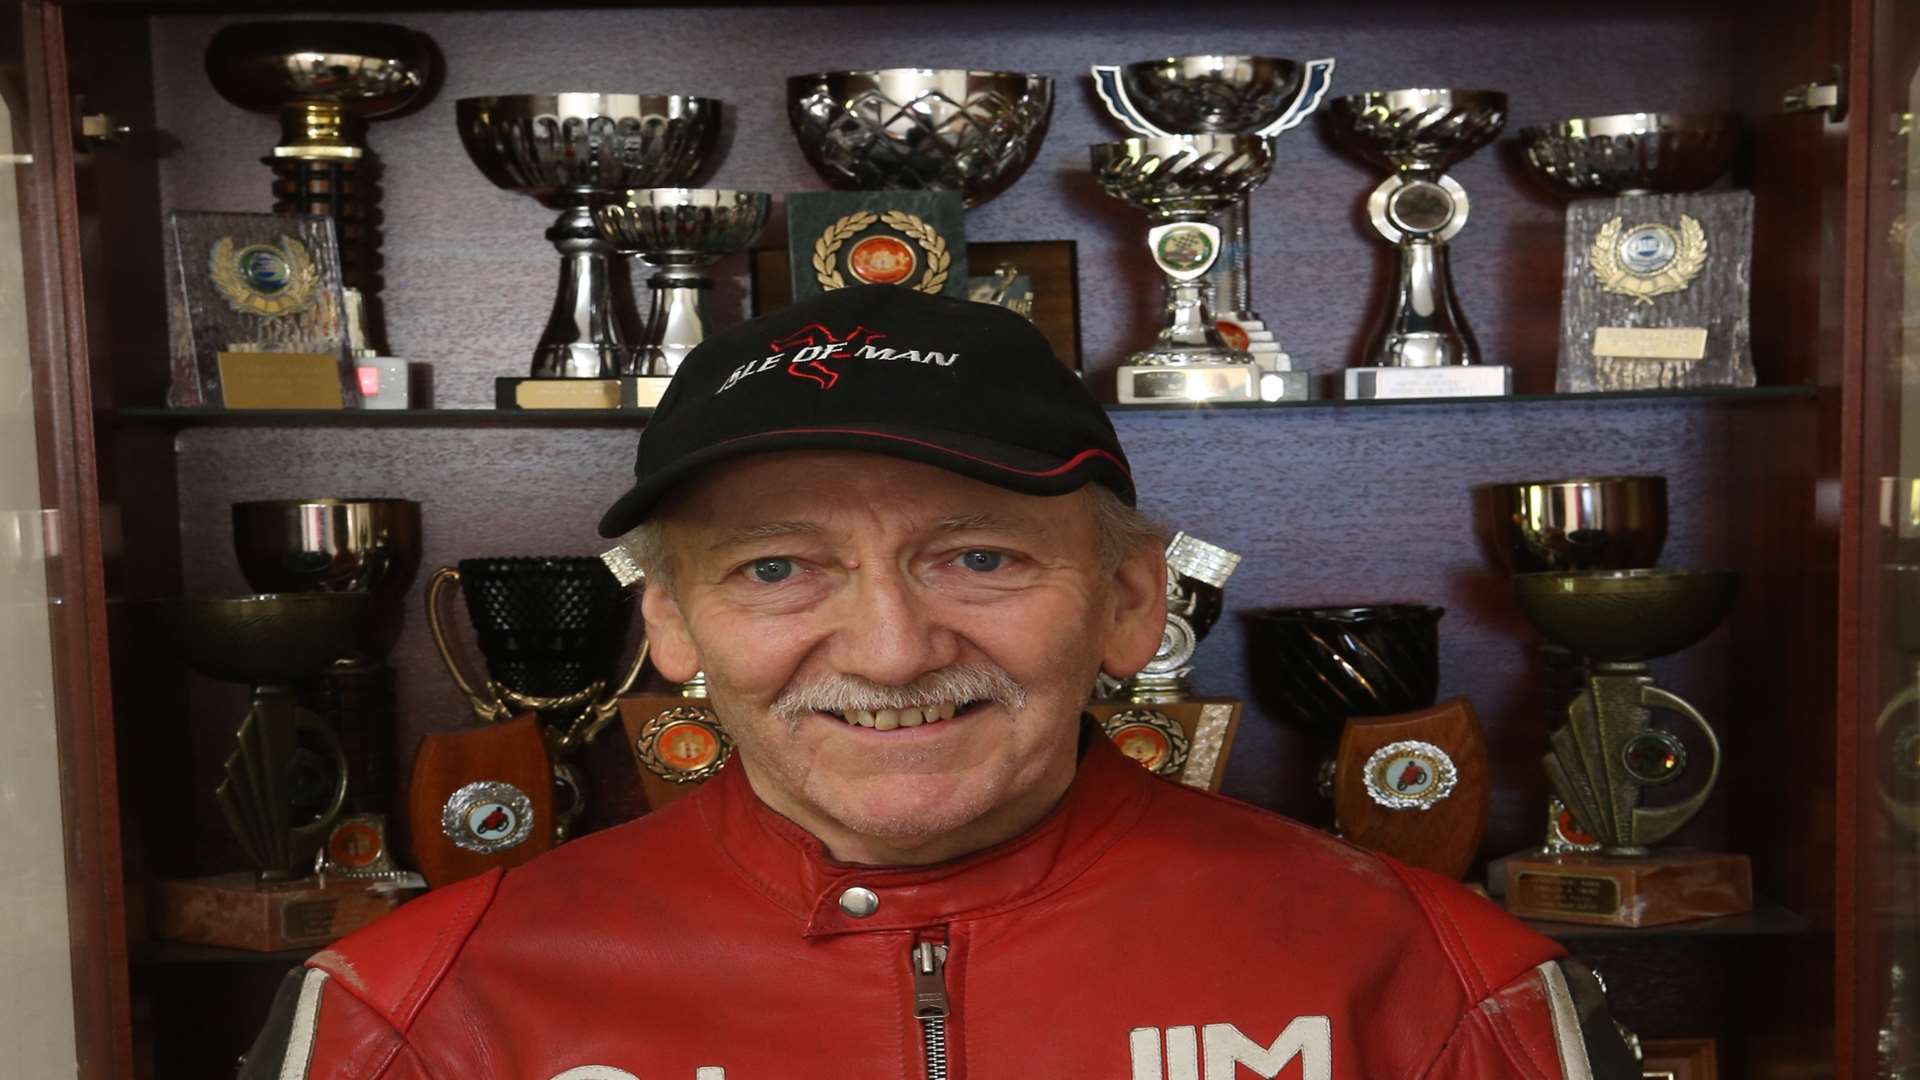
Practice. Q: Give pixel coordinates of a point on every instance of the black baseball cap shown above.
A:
(966, 386)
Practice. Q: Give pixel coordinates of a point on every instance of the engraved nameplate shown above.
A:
(1188, 384)
(1570, 894)
(1651, 342)
(1470, 380)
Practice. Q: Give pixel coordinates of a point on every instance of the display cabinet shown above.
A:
(1328, 501)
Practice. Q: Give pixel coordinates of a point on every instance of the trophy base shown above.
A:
(1188, 384)
(625, 392)
(235, 911)
(1248, 333)
(1196, 756)
(1648, 890)
(1454, 380)
(677, 744)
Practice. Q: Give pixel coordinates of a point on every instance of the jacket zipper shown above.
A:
(928, 962)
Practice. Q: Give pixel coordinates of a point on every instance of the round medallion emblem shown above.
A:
(1410, 775)
(354, 845)
(264, 279)
(1151, 738)
(264, 269)
(1653, 757)
(1645, 250)
(488, 817)
(1420, 208)
(1182, 250)
(684, 744)
(1232, 334)
(882, 260)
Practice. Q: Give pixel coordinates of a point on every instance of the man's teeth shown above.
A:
(888, 719)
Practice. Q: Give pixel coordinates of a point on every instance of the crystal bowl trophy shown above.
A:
(1583, 523)
(285, 782)
(1260, 96)
(1184, 183)
(1656, 284)
(354, 546)
(1152, 715)
(681, 233)
(569, 151)
(909, 149)
(1609, 753)
(325, 80)
(1423, 347)
(1408, 777)
(548, 629)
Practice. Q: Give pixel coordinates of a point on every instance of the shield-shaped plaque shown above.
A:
(481, 797)
(1414, 786)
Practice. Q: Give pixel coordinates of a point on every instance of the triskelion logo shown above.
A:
(814, 352)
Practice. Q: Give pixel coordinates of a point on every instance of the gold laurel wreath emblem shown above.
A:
(1690, 254)
(647, 745)
(298, 296)
(826, 268)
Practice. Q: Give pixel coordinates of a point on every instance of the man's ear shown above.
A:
(1139, 615)
(670, 646)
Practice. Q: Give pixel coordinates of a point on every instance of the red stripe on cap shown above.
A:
(1065, 467)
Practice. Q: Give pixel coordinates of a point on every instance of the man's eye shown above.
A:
(981, 562)
(769, 571)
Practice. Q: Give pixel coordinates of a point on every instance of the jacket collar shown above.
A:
(791, 868)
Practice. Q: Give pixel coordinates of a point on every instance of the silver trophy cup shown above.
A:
(974, 132)
(681, 233)
(1223, 95)
(1423, 347)
(1184, 182)
(570, 150)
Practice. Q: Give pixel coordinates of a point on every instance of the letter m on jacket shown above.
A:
(1180, 1052)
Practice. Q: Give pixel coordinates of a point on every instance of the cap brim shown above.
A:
(1014, 468)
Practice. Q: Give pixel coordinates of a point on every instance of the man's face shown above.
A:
(809, 584)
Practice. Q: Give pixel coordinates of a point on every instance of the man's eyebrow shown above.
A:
(980, 522)
(769, 530)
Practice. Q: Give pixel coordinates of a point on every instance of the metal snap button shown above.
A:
(859, 902)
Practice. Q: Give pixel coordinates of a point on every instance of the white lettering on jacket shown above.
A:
(1221, 1047)
(608, 1072)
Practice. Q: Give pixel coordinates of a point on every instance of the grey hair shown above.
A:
(1119, 529)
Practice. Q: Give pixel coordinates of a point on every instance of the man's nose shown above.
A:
(890, 630)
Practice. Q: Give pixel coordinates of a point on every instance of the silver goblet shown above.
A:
(1223, 95)
(568, 150)
(974, 132)
(1633, 153)
(1420, 134)
(1183, 181)
(681, 232)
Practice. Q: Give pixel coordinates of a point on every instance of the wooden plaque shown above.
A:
(1414, 786)
(235, 911)
(1648, 890)
(481, 797)
(1187, 741)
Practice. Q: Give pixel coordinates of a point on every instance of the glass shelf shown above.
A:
(474, 417)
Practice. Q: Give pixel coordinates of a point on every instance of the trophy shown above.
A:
(1608, 753)
(354, 546)
(1152, 715)
(1184, 182)
(547, 628)
(681, 232)
(1423, 347)
(285, 782)
(325, 80)
(1408, 777)
(893, 132)
(1260, 96)
(1656, 275)
(569, 151)
(256, 316)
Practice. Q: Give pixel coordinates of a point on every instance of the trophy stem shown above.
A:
(583, 339)
(1424, 326)
(678, 321)
(1190, 335)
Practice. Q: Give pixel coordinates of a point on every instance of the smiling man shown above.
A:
(900, 540)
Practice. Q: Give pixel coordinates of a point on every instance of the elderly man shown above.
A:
(899, 538)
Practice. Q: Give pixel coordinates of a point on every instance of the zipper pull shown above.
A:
(929, 963)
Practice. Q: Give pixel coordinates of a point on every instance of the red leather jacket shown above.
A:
(1142, 931)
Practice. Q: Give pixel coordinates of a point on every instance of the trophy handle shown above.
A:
(1651, 825)
(303, 721)
(607, 709)
(488, 709)
(1902, 814)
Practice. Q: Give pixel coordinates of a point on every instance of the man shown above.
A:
(899, 539)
